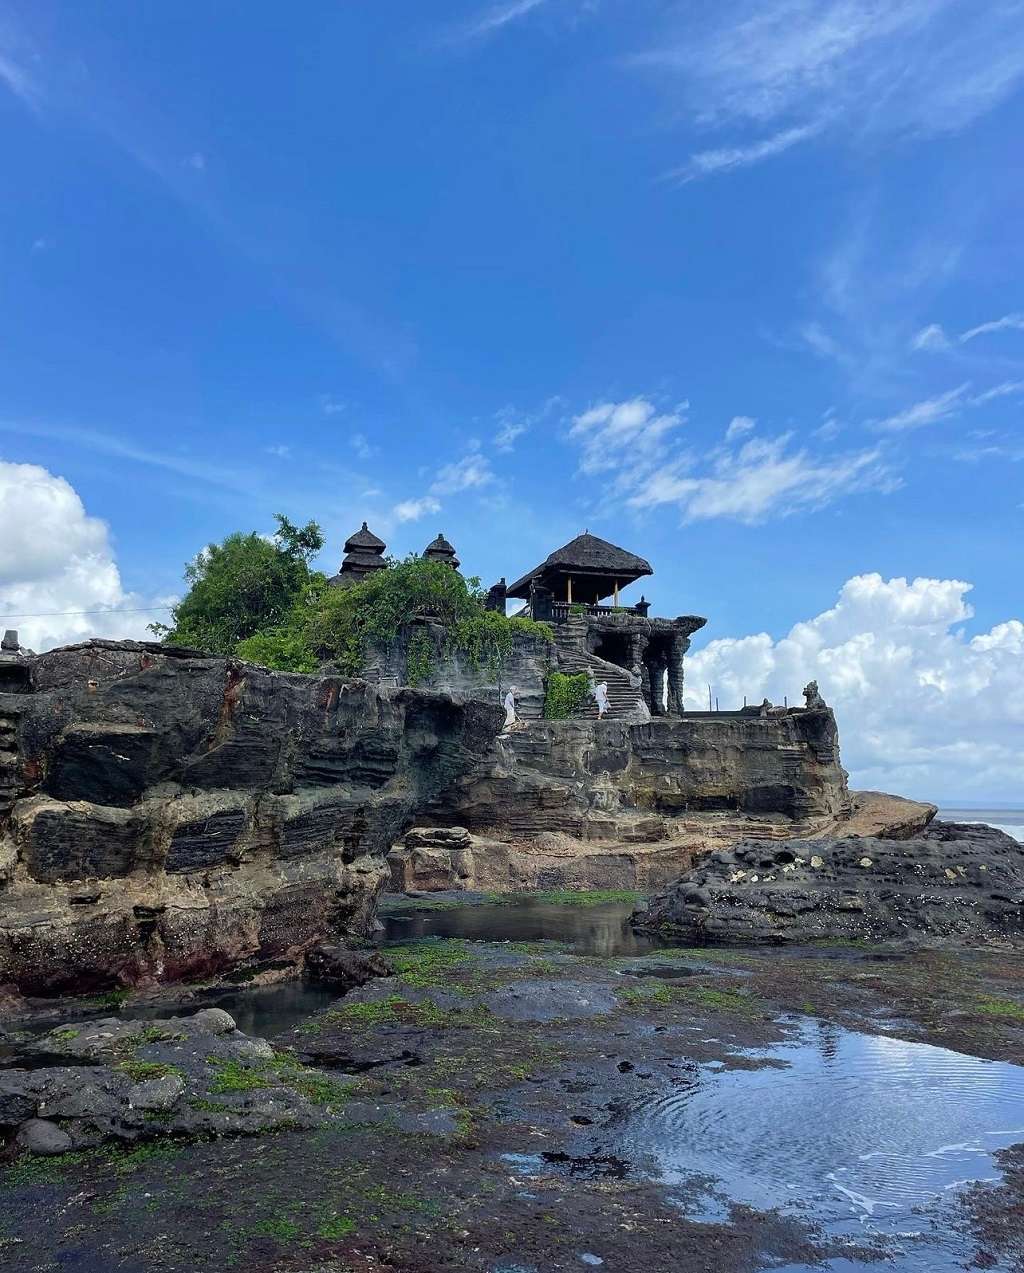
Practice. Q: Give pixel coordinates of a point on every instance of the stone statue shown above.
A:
(601, 698)
(510, 707)
(766, 707)
(812, 697)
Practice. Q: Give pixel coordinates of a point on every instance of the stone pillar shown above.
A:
(677, 650)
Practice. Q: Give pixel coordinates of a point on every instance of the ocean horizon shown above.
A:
(1010, 820)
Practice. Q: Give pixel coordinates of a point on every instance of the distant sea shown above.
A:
(1009, 820)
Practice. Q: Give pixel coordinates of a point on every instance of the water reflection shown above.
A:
(855, 1128)
(590, 930)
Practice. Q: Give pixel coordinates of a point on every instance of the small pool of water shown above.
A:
(264, 1011)
(590, 930)
(867, 1135)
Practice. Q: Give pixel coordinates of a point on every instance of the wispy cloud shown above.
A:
(473, 470)
(722, 158)
(930, 339)
(492, 20)
(749, 482)
(738, 426)
(788, 70)
(945, 405)
(1009, 322)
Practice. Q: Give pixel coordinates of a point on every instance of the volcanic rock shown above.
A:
(953, 882)
(172, 814)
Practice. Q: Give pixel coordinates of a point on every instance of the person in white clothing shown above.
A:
(601, 698)
(510, 707)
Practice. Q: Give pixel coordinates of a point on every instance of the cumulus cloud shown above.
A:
(763, 477)
(776, 73)
(411, 510)
(55, 558)
(923, 709)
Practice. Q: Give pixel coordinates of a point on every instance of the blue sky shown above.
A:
(736, 285)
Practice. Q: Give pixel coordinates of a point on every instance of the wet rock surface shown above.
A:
(472, 1139)
(173, 815)
(953, 882)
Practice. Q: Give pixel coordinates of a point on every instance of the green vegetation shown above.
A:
(565, 696)
(991, 1007)
(140, 1071)
(336, 1227)
(244, 586)
(428, 964)
(394, 1009)
(260, 600)
(568, 897)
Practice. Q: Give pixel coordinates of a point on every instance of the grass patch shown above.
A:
(568, 897)
(429, 964)
(140, 1071)
(65, 1035)
(278, 1226)
(394, 1010)
(232, 1076)
(641, 996)
(336, 1227)
(991, 1007)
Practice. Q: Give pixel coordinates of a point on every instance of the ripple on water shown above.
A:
(854, 1126)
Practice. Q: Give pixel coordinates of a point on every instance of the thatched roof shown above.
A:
(364, 538)
(586, 556)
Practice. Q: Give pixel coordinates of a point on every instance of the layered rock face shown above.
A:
(166, 814)
(960, 882)
(615, 780)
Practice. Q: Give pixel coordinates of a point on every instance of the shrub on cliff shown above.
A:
(342, 624)
(565, 696)
(260, 600)
(245, 586)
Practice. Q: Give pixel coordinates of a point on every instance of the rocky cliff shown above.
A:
(165, 814)
(613, 780)
(951, 882)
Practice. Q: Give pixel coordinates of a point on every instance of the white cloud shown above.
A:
(1009, 322)
(473, 470)
(722, 158)
(927, 411)
(411, 510)
(821, 343)
(857, 67)
(362, 446)
(55, 558)
(280, 452)
(330, 405)
(931, 339)
(738, 426)
(923, 710)
(945, 405)
(196, 161)
(765, 477)
(501, 15)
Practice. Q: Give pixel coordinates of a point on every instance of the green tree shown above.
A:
(247, 585)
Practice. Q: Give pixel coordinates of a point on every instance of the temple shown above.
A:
(577, 589)
(640, 659)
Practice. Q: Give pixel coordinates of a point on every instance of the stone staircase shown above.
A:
(625, 697)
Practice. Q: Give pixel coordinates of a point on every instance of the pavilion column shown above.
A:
(677, 650)
(568, 589)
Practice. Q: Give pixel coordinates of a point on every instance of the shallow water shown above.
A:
(865, 1135)
(590, 930)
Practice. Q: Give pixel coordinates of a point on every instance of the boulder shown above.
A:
(345, 969)
(951, 883)
(37, 1136)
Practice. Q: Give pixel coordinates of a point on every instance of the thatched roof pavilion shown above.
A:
(586, 570)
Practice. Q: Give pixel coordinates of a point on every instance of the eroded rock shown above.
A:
(952, 882)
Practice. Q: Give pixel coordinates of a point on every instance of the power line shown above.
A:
(65, 614)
